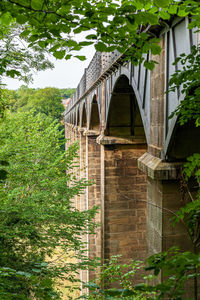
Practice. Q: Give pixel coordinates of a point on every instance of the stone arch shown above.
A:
(84, 116)
(94, 122)
(123, 117)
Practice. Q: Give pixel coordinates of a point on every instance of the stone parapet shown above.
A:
(156, 169)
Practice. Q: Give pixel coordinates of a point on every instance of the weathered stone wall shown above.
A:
(124, 202)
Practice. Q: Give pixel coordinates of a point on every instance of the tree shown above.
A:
(67, 93)
(53, 25)
(37, 214)
(47, 101)
(17, 59)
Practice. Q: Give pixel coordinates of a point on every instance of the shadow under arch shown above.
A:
(70, 118)
(84, 117)
(94, 122)
(184, 142)
(74, 118)
(78, 117)
(124, 119)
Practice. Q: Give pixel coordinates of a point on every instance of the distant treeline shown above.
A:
(47, 100)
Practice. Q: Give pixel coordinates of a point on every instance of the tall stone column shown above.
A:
(77, 160)
(83, 205)
(68, 133)
(123, 198)
(83, 166)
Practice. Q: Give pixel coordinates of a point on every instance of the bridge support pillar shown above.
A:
(82, 203)
(93, 192)
(123, 198)
(163, 200)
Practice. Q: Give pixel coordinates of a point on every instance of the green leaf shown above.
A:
(68, 56)
(149, 65)
(21, 19)
(54, 48)
(42, 44)
(78, 30)
(80, 57)
(173, 9)
(36, 270)
(164, 15)
(182, 12)
(12, 73)
(100, 47)
(36, 4)
(25, 33)
(71, 43)
(155, 49)
(59, 54)
(161, 3)
(33, 38)
(6, 19)
(91, 37)
(85, 43)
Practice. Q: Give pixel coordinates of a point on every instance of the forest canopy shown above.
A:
(47, 100)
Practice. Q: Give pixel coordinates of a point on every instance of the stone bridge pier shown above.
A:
(131, 149)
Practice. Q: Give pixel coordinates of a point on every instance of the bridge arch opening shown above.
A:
(94, 115)
(183, 142)
(84, 117)
(74, 118)
(124, 119)
(78, 118)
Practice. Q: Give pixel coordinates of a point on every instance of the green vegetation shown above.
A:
(47, 100)
(37, 215)
(67, 93)
(52, 27)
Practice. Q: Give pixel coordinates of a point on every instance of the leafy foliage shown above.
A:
(67, 93)
(117, 274)
(47, 100)
(37, 214)
(177, 268)
(53, 25)
(17, 59)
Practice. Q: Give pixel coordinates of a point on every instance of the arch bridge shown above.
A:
(129, 146)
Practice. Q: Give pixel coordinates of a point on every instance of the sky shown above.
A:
(66, 74)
